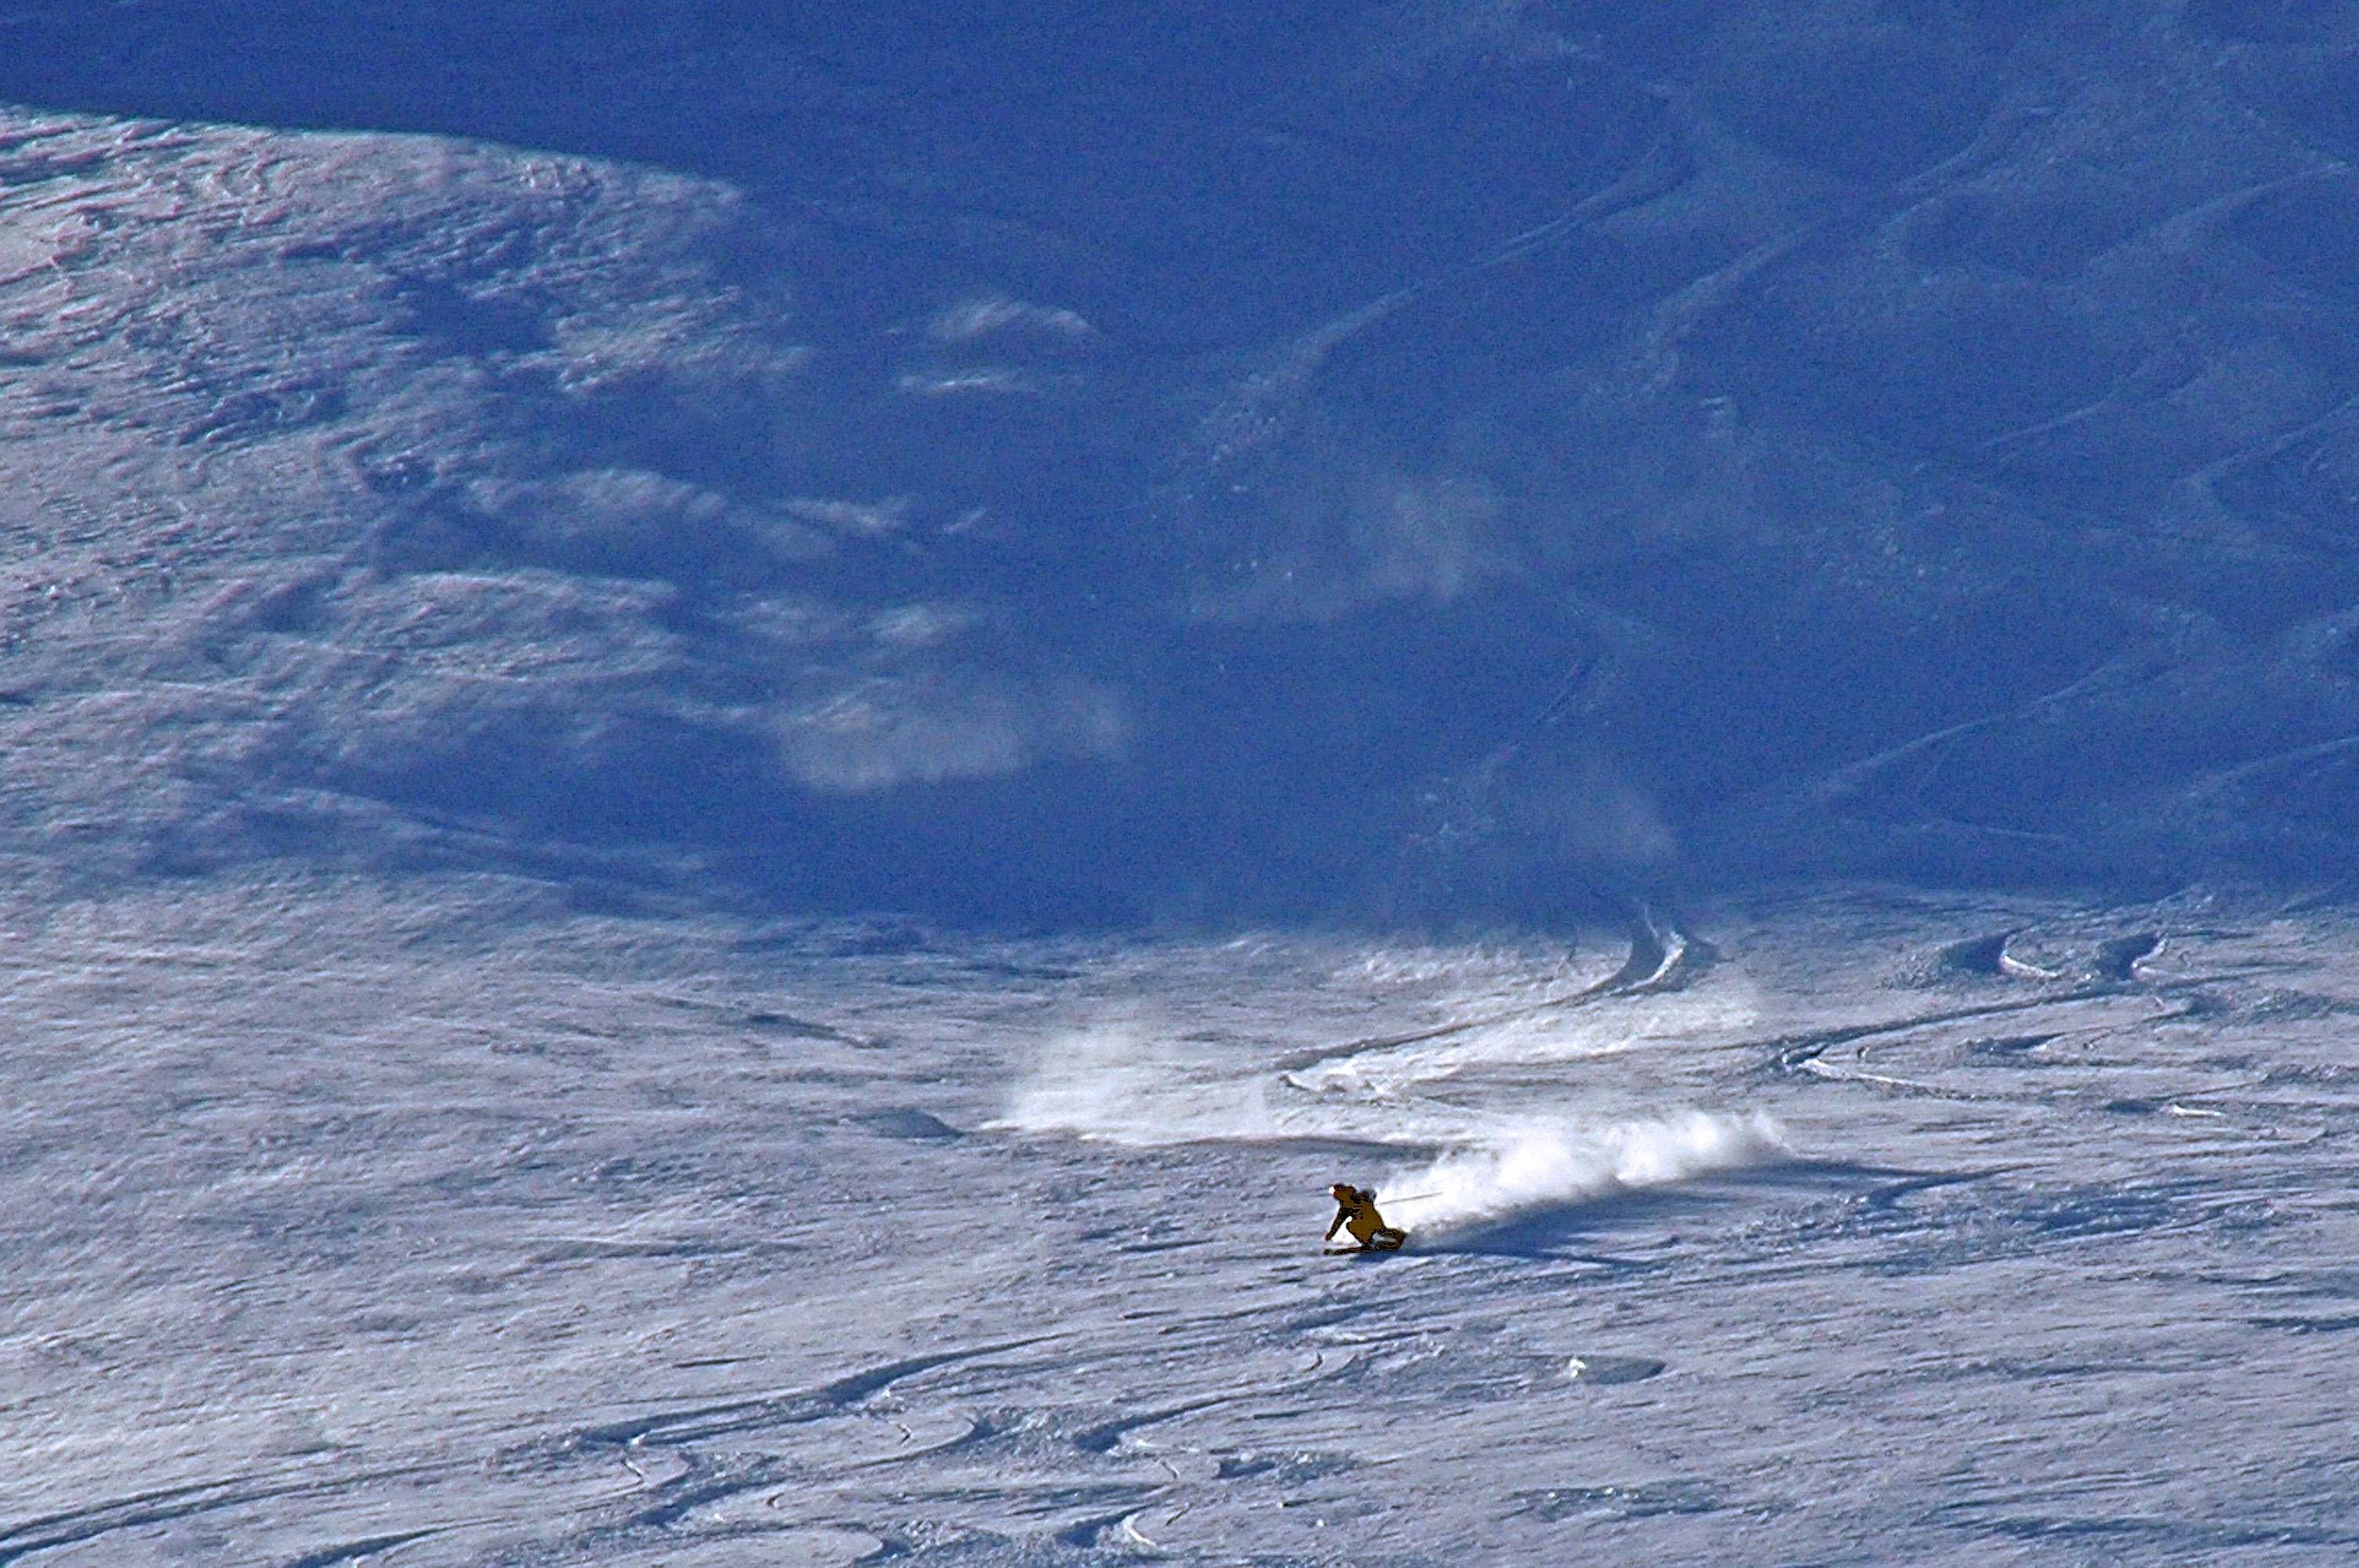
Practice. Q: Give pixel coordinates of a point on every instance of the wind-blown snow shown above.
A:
(1136, 1083)
(1540, 1165)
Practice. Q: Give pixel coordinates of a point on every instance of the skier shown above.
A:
(1356, 1207)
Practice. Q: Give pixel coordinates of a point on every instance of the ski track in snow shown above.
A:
(350, 1227)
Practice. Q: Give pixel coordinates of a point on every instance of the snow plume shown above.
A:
(1127, 1082)
(1539, 1165)
(1123, 1080)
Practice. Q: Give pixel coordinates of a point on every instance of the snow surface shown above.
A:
(443, 1226)
(483, 612)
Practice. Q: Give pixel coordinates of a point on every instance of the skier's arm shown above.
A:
(1337, 1223)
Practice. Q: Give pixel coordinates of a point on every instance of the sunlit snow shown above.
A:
(448, 1227)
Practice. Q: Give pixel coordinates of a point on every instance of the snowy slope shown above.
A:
(1070, 465)
(524, 526)
(521, 1238)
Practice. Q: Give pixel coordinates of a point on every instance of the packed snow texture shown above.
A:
(450, 1227)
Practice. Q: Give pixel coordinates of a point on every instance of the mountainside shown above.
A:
(1449, 462)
